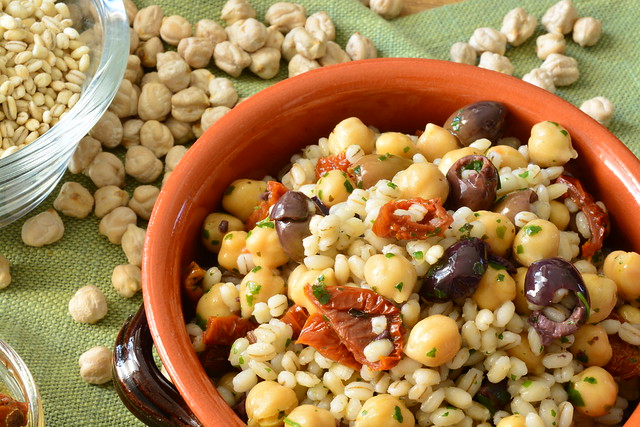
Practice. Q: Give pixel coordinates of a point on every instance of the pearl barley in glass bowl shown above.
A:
(29, 175)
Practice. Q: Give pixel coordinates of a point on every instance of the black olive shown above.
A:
(515, 202)
(484, 119)
(371, 168)
(457, 274)
(493, 396)
(473, 182)
(548, 280)
(291, 215)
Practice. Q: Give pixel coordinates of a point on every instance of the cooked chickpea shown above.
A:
(264, 246)
(602, 294)
(74, 200)
(334, 187)
(95, 365)
(384, 410)
(516, 420)
(157, 137)
(351, 131)
(215, 226)
(495, 288)
(126, 279)
(397, 144)
(434, 340)
(536, 240)
(523, 352)
(42, 229)
(591, 346)
(143, 199)
(509, 156)
(520, 301)
(624, 269)
(593, 391)
(115, 223)
(88, 305)
(550, 145)
(629, 313)
(232, 245)
(258, 286)
(242, 196)
(108, 198)
(453, 156)
(436, 141)
(212, 303)
(499, 231)
(268, 403)
(174, 28)
(302, 276)
(559, 215)
(390, 275)
(424, 180)
(310, 416)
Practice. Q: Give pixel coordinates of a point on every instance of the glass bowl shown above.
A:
(30, 174)
(16, 381)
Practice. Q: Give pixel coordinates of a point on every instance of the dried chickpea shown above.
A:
(388, 9)
(180, 131)
(587, 31)
(88, 305)
(132, 242)
(334, 187)
(560, 17)
(599, 109)
(499, 231)
(301, 64)
(258, 286)
(496, 62)
(593, 391)
(391, 276)
(148, 51)
(196, 51)
(536, 240)
(143, 199)
(384, 410)
(108, 130)
(134, 41)
(495, 288)
(518, 26)
(433, 341)
(173, 71)
(397, 144)
(231, 246)
(215, 226)
(230, 58)
(288, 46)
(125, 102)
(188, 104)
(308, 45)
(242, 196)
(265, 62)
(131, 10)
(5, 272)
(126, 279)
(95, 365)
(108, 198)
(134, 71)
(310, 416)
(264, 246)
(210, 30)
(274, 38)
(115, 223)
(351, 131)
(251, 34)
(236, 10)
(485, 39)
(141, 164)
(131, 132)
(268, 402)
(541, 78)
(463, 53)
(87, 149)
(549, 43)
(360, 47)
(560, 214)
(286, 16)
(550, 145)
(74, 200)
(174, 28)
(334, 55)
(157, 137)
(212, 115)
(624, 269)
(173, 157)
(200, 78)
(147, 22)
(222, 92)
(106, 169)
(319, 23)
(563, 69)
(151, 77)
(435, 142)
(423, 180)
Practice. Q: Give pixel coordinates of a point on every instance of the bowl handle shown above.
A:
(141, 386)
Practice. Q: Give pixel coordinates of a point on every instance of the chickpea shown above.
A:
(434, 340)
(286, 16)
(131, 10)
(308, 45)
(599, 108)
(509, 156)
(334, 187)
(5, 272)
(268, 403)
(463, 53)
(384, 410)
(196, 51)
(148, 52)
(222, 93)
(87, 149)
(232, 245)
(602, 294)
(157, 137)
(560, 215)
(387, 9)
(108, 130)
(587, 31)
(131, 132)
(126, 279)
(258, 286)
(188, 104)
(108, 198)
(265, 62)
(154, 102)
(115, 223)
(391, 276)
(523, 352)
(143, 199)
(74, 200)
(536, 240)
(264, 246)
(236, 10)
(593, 391)
(242, 196)
(210, 30)
(174, 29)
(334, 55)
(499, 231)
(174, 72)
(299, 64)
(549, 43)
(95, 365)
(563, 69)
(486, 39)
(520, 301)
(88, 305)
(397, 144)
(215, 226)
(360, 47)
(106, 169)
(518, 26)
(591, 346)
(560, 17)
(496, 62)
(42, 229)
(302, 276)
(624, 269)
(132, 242)
(274, 38)
(230, 58)
(320, 25)
(141, 164)
(212, 303)
(422, 180)
(212, 115)
(124, 104)
(148, 21)
(310, 416)
(495, 288)
(541, 78)
(134, 41)
(436, 141)
(251, 35)
(453, 156)
(516, 420)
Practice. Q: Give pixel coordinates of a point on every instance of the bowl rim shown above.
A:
(171, 340)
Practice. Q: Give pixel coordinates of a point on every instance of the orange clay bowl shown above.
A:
(259, 135)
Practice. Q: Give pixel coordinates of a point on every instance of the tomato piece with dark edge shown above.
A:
(329, 163)
(220, 334)
(275, 190)
(597, 218)
(319, 334)
(402, 227)
(348, 312)
(12, 412)
(296, 316)
(191, 282)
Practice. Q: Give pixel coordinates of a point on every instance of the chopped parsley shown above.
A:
(391, 185)
(532, 230)
(348, 186)
(397, 414)
(229, 190)
(519, 249)
(406, 149)
(475, 165)
(574, 396)
(524, 174)
(389, 255)
(229, 236)
(500, 278)
(590, 380)
(500, 230)
(399, 286)
(252, 289)
(256, 269)
(432, 352)
(288, 422)
(384, 157)
(265, 223)
(527, 383)
(585, 302)
(418, 255)
(564, 132)
(320, 293)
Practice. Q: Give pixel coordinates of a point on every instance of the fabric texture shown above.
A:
(34, 317)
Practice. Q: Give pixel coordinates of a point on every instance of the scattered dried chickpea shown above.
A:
(142, 164)
(174, 28)
(599, 108)
(42, 229)
(388, 9)
(173, 71)
(230, 58)
(236, 10)
(87, 149)
(212, 115)
(265, 62)
(126, 279)
(124, 104)
(308, 45)
(143, 199)
(131, 10)
(286, 16)
(74, 200)
(5, 272)
(95, 365)
(549, 43)
(496, 62)
(563, 69)
(188, 104)
(157, 137)
(334, 55)
(587, 31)
(88, 305)
(301, 64)
(131, 132)
(196, 51)
(560, 17)
(148, 21)
(154, 102)
(518, 26)
(108, 198)
(360, 47)
(222, 92)
(108, 130)
(132, 242)
(210, 30)
(134, 71)
(251, 34)
(486, 39)
(463, 53)
(540, 78)
(115, 223)
(320, 23)
(106, 169)
(148, 51)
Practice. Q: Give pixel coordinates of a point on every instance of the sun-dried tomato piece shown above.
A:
(348, 312)
(434, 223)
(329, 163)
(625, 362)
(597, 218)
(191, 282)
(220, 334)
(275, 190)
(296, 316)
(12, 412)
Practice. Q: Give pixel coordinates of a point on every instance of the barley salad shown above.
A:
(457, 276)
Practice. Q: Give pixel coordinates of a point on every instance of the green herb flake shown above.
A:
(288, 422)
(406, 149)
(320, 293)
(348, 186)
(564, 340)
(553, 413)
(574, 396)
(256, 269)
(496, 265)
(265, 223)
(229, 236)
(215, 242)
(241, 360)
(205, 233)
(524, 174)
(590, 380)
(585, 302)
(500, 278)
(389, 255)
(364, 413)
(475, 165)
(391, 185)
(397, 414)
(249, 234)
(319, 192)
(531, 230)
(418, 255)
(519, 249)
(399, 286)
(527, 383)
(267, 369)
(384, 157)
(286, 344)
(252, 289)
(500, 336)
(564, 132)
(432, 352)
(445, 414)
(229, 190)
(357, 170)
(500, 230)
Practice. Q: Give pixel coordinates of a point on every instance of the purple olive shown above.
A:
(547, 281)
(371, 168)
(291, 214)
(515, 202)
(458, 273)
(473, 182)
(484, 119)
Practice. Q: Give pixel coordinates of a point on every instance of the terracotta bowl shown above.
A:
(258, 137)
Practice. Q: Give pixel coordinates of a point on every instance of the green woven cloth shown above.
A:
(33, 309)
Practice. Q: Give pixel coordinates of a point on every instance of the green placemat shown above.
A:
(33, 309)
